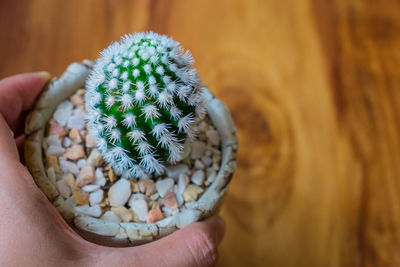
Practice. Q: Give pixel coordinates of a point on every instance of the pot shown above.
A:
(129, 233)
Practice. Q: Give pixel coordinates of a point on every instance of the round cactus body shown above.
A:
(143, 97)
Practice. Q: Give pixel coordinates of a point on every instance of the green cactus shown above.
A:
(143, 97)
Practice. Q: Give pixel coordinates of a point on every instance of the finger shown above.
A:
(194, 245)
(18, 92)
(19, 141)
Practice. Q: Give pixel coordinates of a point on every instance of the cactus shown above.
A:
(143, 97)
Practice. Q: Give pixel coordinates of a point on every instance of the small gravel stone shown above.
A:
(90, 141)
(94, 211)
(178, 195)
(112, 176)
(81, 163)
(164, 186)
(55, 151)
(110, 216)
(100, 179)
(70, 180)
(75, 152)
(86, 176)
(119, 192)
(76, 121)
(56, 129)
(77, 100)
(155, 196)
(139, 208)
(75, 136)
(192, 192)
(154, 215)
(170, 200)
(187, 148)
(198, 149)
(211, 175)
(175, 171)
(95, 158)
(206, 160)
(68, 166)
(63, 112)
(147, 186)
(198, 164)
(213, 137)
(67, 142)
(53, 140)
(198, 177)
(52, 162)
(90, 188)
(81, 197)
(123, 213)
(63, 189)
(182, 183)
(96, 197)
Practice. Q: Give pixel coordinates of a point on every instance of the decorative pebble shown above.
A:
(198, 149)
(213, 137)
(211, 175)
(95, 158)
(63, 112)
(147, 186)
(164, 186)
(198, 164)
(192, 192)
(182, 183)
(55, 151)
(77, 100)
(76, 121)
(70, 180)
(52, 162)
(176, 170)
(75, 136)
(119, 192)
(86, 176)
(170, 200)
(68, 166)
(187, 148)
(90, 188)
(154, 215)
(198, 177)
(206, 160)
(110, 216)
(90, 141)
(56, 129)
(94, 211)
(74, 153)
(53, 140)
(100, 179)
(81, 197)
(67, 142)
(139, 208)
(111, 175)
(63, 189)
(81, 163)
(123, 213)
(96, 197)
(178, 195)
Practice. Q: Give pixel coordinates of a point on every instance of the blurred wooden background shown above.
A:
(314, 89)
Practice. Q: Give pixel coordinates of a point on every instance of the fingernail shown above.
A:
(45, 74)
(219, 228)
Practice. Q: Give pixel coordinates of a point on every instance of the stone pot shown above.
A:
(131, 233)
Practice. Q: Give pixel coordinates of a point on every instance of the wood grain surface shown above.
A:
(314, 89)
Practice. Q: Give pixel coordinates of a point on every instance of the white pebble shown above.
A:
(213, 137)
(90, 188)
(182, 183)
(139, 208)
(187, 148)
(67, 142)
(68, 166)
(178, 195)
(198, 149)
(100, 179)
(63, 188)
(198, 177)
(81, 163)
(95, 158)
(175, 171)
(198, 164)
(119, 192)
(211, 175)
(55, 150)
(96, 197)
(53, 140)
(94, 211)
(207, 160)
(76, 121)
(63, 112)
(110, 216)
(164, 186)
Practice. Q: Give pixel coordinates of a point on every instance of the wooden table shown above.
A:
(314, 89)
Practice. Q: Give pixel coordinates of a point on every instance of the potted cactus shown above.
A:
(148, 151)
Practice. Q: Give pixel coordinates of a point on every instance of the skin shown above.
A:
(34, 234)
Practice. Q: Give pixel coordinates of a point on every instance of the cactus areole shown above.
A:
(143, 97)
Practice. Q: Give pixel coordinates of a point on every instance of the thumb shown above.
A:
(193, 245)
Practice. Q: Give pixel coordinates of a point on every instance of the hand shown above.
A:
(32, 231)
